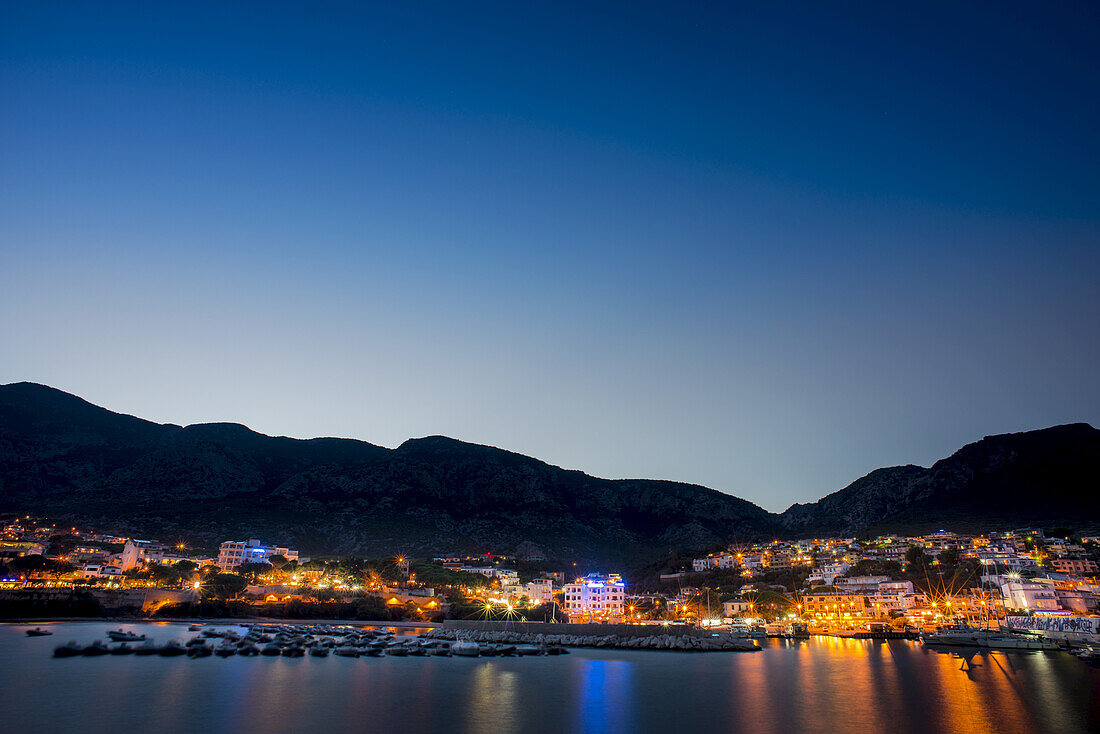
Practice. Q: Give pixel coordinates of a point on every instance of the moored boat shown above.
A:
(225, 650)
(172, 649)
(200, 651)
(147, 649)
(95, 649)
(68, 650)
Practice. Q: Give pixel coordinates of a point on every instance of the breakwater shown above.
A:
(683, 642)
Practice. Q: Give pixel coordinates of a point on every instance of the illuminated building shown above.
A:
(595, 598)
(1034, 597)
(834, 606)
(233, 553)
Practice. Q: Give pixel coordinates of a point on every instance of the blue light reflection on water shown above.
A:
(605, 696)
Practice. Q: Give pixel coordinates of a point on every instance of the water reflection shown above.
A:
(605, 696)
(823, 685)
(492, 700)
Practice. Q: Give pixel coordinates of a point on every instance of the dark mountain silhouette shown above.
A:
(61, 455)
(64, 457)
(1050, 476)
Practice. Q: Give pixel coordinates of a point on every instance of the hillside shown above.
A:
(62, 456)
(1050, 477)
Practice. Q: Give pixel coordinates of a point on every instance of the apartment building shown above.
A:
(233, 553)
(595, 598)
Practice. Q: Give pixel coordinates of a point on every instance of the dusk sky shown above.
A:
(764, 247)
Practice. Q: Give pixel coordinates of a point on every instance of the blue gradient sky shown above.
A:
(763, 249)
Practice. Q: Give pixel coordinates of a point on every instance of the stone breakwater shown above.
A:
(683, 643)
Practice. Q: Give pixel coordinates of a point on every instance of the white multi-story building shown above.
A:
(715, 560)
(133, 553)
(828, 573)
(99, 571)
(233, 553)
(1075, 565)
(1030, 596)
(595, 598)
(506, 575)
(703, 564)
(883, 602)
(540, 591)
(895, 596)
(860, 583)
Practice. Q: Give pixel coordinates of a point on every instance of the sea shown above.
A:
(824, 684)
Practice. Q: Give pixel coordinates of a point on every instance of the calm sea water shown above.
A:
(821, 685)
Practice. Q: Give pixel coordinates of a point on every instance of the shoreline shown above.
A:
(223, 621)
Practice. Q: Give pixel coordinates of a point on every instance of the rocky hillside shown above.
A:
(64, 456)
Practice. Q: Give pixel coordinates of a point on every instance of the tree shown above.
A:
(223, 586)
(57, 569)
(546, 612)
(209, 571)
(949, 559)
(24, 565)
(916, 559)
(872, 567)
(252, 570)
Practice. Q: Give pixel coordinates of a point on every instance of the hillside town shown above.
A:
(842, 586)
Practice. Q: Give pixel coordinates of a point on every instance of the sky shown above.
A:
(763, 247)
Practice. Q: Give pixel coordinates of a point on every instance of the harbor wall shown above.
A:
(1084, 630)
(110, 599)
(552, 628)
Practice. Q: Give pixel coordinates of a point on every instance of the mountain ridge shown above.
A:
(64, 456)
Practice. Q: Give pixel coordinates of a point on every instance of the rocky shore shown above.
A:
(682, 643)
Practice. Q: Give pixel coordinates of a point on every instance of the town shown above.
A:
(889, 584)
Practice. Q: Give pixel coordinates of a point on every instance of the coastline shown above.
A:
(222, 621)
